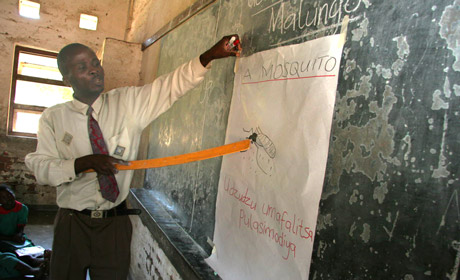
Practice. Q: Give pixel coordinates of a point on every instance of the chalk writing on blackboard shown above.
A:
(283, 18)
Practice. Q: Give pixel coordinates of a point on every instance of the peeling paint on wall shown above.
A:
(366, 149)
(380, 192)
(441, 171)
(366, 234)
(457, 90)
(354, 197)
(361, 31)
(324, 221)
(456, 268)
(394, 142)
(322, 246)
(438, 102)
(403, 52)
(450, 32)
(352, 229)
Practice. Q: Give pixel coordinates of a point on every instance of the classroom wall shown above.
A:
(57, 26)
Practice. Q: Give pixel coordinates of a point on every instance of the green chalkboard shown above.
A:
(390, 203)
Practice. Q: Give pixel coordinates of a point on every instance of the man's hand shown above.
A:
(102, 164)
(221, 50)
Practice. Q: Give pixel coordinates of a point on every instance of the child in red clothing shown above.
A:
(13, 219)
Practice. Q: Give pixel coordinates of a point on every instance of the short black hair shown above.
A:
(64, 55)
(5, 187)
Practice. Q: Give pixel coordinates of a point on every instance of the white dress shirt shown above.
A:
(122, 114)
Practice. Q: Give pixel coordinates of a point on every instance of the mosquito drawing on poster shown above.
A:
(266, 150)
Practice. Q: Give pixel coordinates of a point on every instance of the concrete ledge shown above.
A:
(186, 256)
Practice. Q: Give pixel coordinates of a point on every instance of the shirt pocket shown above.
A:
(70, 145)
(119, 146)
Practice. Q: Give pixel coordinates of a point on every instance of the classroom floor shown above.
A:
(40, 227)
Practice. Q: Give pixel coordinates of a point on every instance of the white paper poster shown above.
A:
(268, 197)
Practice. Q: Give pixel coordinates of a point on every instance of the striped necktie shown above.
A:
(107, 183)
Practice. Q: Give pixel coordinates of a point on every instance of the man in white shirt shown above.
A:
(82, 239)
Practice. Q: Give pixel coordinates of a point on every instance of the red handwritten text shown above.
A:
(293, 224)
(261, 227)
(231, 189)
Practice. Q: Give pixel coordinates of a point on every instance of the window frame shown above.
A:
(12, 107)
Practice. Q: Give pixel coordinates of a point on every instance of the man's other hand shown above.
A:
(102, 164)
(222, 49)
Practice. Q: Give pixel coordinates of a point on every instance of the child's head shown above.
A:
(7, 197)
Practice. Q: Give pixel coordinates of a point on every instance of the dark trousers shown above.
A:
(81, 243)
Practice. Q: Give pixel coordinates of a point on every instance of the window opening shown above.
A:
(29, 9)
(36, 85)
(88, 22)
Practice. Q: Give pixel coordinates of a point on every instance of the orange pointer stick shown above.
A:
(180, 159)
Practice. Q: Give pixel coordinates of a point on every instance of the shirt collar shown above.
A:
(83, 107)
